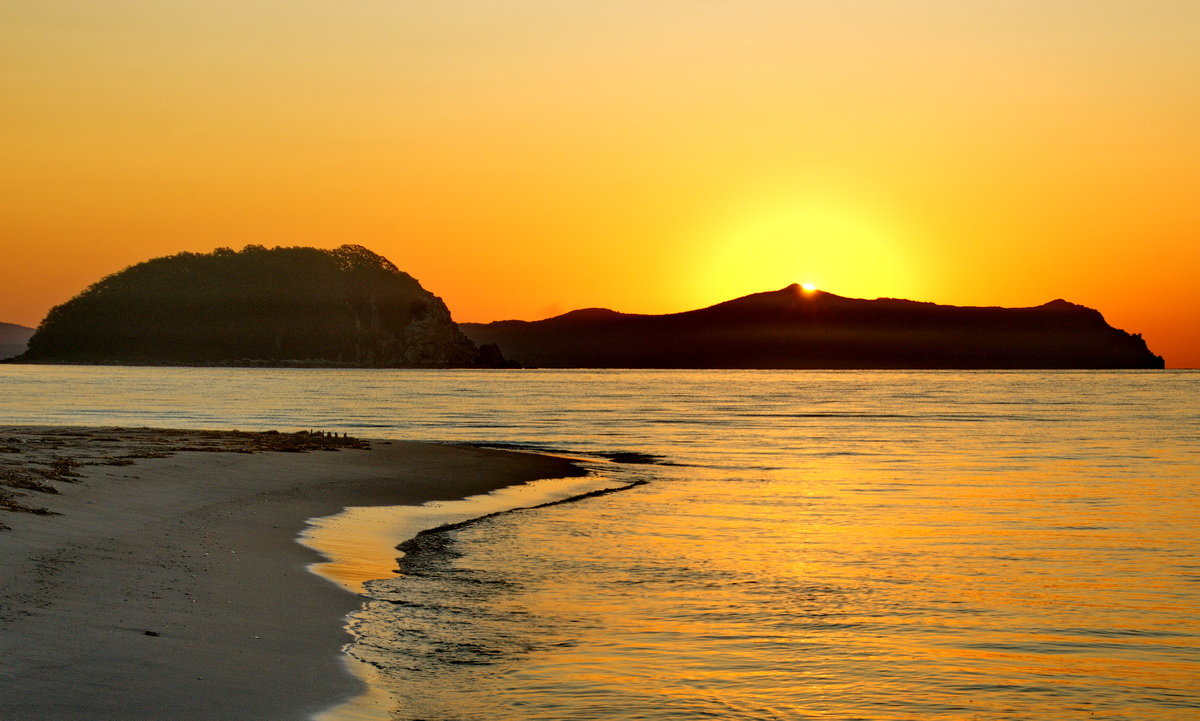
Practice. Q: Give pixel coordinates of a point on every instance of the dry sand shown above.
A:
(173, 588)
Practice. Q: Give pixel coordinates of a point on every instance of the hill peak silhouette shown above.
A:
(13, 339)
(797, 328)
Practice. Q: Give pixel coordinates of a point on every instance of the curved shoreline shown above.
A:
(174, 587)
(430, 546)
(361, 544)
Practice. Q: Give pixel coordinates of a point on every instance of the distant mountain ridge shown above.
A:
(794, 328)
(13, 339)
(258, 306)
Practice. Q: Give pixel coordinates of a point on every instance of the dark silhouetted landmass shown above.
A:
(13, 339)
(791, 328)
(258, 306)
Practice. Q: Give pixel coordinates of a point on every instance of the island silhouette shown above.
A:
(280, 306)
(350, 307)
(13, 339)
(803, 328)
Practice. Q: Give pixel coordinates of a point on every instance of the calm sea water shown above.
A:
(809, 545)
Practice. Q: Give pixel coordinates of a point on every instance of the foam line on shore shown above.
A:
(360, 543)
(334, 537)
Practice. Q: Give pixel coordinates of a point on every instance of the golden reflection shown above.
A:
(1012, 574)
(359, 544)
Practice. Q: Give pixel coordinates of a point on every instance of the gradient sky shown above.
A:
(523, 158)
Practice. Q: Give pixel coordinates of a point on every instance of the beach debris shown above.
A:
(35, 458)
(112, 461)
(17, 478)
(9, 502)
(64, 467)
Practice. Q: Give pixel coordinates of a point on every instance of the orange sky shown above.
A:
(525, 158)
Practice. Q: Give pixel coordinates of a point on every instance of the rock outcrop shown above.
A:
(258, 306)
(794, 328)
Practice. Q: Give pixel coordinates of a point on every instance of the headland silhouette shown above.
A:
(811, 329)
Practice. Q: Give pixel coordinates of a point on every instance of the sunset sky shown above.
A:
(524, 158)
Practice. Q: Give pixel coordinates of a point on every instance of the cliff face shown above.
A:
(305, 306)
(791, 328)
(13, 339)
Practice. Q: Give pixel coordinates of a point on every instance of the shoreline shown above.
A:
(362, 544)
(175, 587)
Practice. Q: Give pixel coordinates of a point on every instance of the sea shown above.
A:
(779, 544)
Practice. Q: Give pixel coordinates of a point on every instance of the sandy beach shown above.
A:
(172, 586)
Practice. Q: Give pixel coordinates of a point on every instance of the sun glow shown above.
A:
(833, 246)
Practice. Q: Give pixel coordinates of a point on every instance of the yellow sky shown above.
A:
(525, 158)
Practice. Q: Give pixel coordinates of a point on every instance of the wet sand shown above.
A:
(174, 588)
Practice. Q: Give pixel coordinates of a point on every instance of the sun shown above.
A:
(816, 241)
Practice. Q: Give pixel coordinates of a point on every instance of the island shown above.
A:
(283, 306)
(14, 339)
(803, 328)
